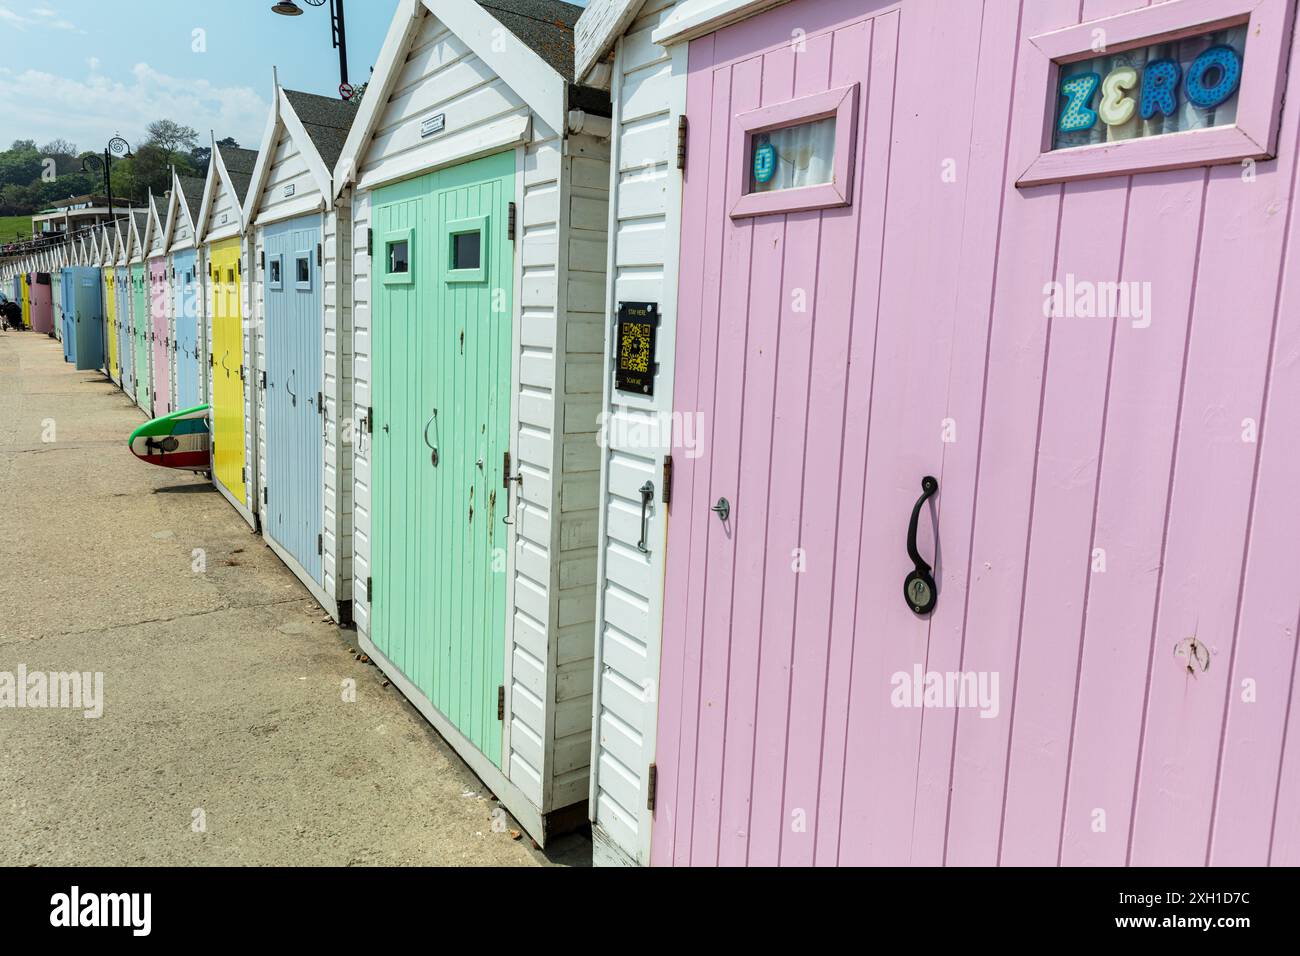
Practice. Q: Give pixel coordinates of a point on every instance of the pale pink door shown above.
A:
(820, 386)
(160, 337)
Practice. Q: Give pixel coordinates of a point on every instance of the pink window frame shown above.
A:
(1259, 100)
(841, 103)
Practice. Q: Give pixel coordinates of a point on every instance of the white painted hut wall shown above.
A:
(337, 245)
(442, 75)
(288, 167)
(580, 340)
(647, 99)
(183, 231)
(224, 216)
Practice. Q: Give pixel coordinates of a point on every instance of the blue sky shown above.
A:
(82, 70)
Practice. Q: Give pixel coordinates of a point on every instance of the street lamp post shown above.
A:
(338, 34)
(117, 148)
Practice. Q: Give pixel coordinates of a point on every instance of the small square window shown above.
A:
(466, 250)
(304, 269)
(399, 260)
(793, 157)
(230, 275)
(275, 271)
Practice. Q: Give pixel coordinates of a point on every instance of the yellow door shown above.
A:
(110, 327)
(227, 366)
(27, 303)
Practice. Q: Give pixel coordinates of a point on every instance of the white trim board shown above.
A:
(695, 18)
(598, 29)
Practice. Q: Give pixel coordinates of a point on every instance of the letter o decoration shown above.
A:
(1222, 60)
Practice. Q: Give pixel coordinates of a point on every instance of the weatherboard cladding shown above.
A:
(560, 251)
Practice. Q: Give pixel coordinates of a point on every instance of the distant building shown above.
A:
(73, 214)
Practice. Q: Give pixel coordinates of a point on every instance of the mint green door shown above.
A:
(444, 279)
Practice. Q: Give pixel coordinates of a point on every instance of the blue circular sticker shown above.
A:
(764, 163)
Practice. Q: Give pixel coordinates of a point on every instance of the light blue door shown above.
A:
(185, 283)
(87, 304)
(67, 317)
(295, 424)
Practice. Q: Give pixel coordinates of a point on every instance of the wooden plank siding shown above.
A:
(1110, 490)
(561, 184)
(648, 93)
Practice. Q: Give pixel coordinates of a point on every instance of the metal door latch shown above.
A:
(918, 588)
(722, 509)
(647, 495)
(433, 449)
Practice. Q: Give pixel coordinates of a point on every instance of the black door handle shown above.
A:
(918, 587)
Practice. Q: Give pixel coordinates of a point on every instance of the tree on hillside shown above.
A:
(150, 168)
(20, 165)
(171, 137)
(59, 147)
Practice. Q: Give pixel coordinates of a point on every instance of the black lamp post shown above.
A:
(117, 148)
(338, 29)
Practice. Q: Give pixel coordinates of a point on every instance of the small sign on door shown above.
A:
(638, 323)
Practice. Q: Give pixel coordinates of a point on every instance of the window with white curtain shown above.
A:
(1108, 69)
(792, 156)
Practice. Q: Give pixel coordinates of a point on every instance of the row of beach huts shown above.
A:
(695, 407)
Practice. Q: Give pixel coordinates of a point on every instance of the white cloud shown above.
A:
(88, 111)
(42, 17)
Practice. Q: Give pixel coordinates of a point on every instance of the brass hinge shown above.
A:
(510, 223)
(682, 127)
(505, 469)
(370, 583)
(261, 260)
(265, 491)
(243, 475)
(320, 404)
(652, 784)
(668, 480)
(318, 254)
(370, 419)
(239, 265)
(501, 702)
(370, 241)
(320, 544)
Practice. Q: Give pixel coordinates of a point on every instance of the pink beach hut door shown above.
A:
(161, 338)
(814, 347)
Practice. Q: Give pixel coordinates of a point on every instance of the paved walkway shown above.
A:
(224, 737)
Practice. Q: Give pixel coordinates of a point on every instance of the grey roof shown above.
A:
(141, 220)
(239, 164)
(192, 193)
(546, 26)
(326, 120)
